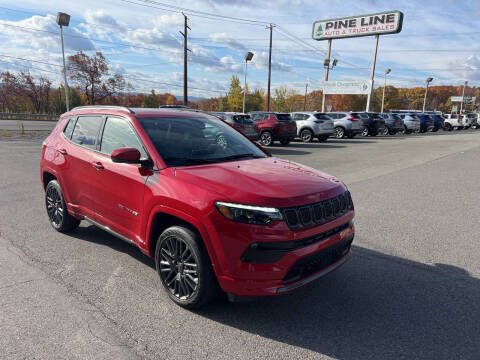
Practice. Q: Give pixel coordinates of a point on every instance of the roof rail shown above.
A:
(110, 107)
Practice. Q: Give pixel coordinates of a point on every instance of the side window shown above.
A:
(265, 116)
(69, 128)
(86, 130)
(296, 117)
(118, 133)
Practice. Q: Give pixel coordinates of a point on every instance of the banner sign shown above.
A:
(347, 87)
(466, 99)
(355, 26)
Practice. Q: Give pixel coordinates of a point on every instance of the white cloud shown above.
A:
(227, 40)
(169, 20)
(100, 23)
(42, 32)
(260, 62)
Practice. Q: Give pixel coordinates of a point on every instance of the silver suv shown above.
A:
(411, 122)
(345, 124)
(313, 124)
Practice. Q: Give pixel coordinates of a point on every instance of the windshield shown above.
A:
(197, 140)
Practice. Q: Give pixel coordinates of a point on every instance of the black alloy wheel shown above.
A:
(57, 210)
(178, 268)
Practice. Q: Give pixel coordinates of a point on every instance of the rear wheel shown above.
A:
(57, 210)
(447, 127)
(184, 268)
(266, 138)
(306, 135)
(285, 141)
(365, 131)
(386, 132)
(339, 132)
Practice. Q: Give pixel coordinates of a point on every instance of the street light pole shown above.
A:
(63, 20)
(384, 86)
(326, 65)
(248, 57)
(428, 81)
(463, 96)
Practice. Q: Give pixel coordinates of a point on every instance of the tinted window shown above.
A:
(242, 119)
(69, 128)
(86, 130)
(321, 117)
(284, 117)
(185, 141)
(118, 133)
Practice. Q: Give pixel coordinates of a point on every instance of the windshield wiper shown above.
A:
(188, 160)
(237, 156)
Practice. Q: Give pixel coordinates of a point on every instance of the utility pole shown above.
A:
(372, 73)
(384, 86)
(326, 64)
(185, 56)
(463, 96)
(305, 101)
(271, 26)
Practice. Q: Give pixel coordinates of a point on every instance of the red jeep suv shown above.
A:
(274, 126)
(213, 208)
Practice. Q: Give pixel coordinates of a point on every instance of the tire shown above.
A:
(365, 131)
(434, 129)
(57, 211)
(285, 142)
(405, 130)
(447, 127)
(306, 135)
(323, 138)
(339, 132)
(184, 268)
(386, 132)
(266, 138)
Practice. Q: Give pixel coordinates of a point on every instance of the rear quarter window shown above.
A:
(68, 130)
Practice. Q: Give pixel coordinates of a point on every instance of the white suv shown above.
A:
(312, 124)
(452, 121)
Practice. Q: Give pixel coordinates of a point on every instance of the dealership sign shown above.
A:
(347, 87)
(465, 99)
(354, 26)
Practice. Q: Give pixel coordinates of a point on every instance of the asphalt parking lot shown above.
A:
(410, 291)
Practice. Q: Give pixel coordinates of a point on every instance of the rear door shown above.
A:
(79, 174)
(119, 188)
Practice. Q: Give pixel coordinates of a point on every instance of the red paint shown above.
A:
(126, 197)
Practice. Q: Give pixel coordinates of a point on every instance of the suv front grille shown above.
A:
(317, 213)
(318, 261)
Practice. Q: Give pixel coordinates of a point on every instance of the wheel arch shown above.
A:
(47, 176)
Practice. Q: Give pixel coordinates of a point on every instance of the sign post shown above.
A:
(356, 26)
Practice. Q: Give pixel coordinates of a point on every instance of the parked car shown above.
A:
(466, 121)
(274, 127)
(475, 119)
(411, 122)
(345, 124)
(393, 124)
(313, 124)
(213, 215)
(426, 122)
(240, 121)
(372, 122)
(452, 121)
(438, 121)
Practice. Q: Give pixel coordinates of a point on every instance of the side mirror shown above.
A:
(126, 156)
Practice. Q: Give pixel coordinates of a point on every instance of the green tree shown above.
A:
(279, 100)
(235, 95)
(254, 101)
(150, 101)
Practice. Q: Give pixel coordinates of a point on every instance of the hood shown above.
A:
(263, 182)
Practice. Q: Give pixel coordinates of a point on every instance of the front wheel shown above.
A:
(365, 131)
(57, 210)
(306, 135)
(184, 268)
(285, 141)
(339, 132)
(386, 132)
(266, 138)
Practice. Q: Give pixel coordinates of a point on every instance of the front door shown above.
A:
(119, 187)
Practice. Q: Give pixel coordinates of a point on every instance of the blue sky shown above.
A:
(439, 39)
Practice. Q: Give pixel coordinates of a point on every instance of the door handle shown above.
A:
(63, 152)
(98, 165)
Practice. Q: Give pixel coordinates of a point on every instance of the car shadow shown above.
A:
(93, 234)
(376, 306)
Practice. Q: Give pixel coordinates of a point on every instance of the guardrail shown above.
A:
(21, 116)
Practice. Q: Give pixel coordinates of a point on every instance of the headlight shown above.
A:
(248, 214)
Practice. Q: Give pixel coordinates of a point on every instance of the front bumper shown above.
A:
(285, 272)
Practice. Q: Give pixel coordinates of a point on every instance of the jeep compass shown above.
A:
(213, 208)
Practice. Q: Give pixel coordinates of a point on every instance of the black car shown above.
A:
(373, 123)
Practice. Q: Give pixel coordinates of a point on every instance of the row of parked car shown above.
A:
(268, 127)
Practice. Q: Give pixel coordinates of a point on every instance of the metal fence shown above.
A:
(20, 116)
